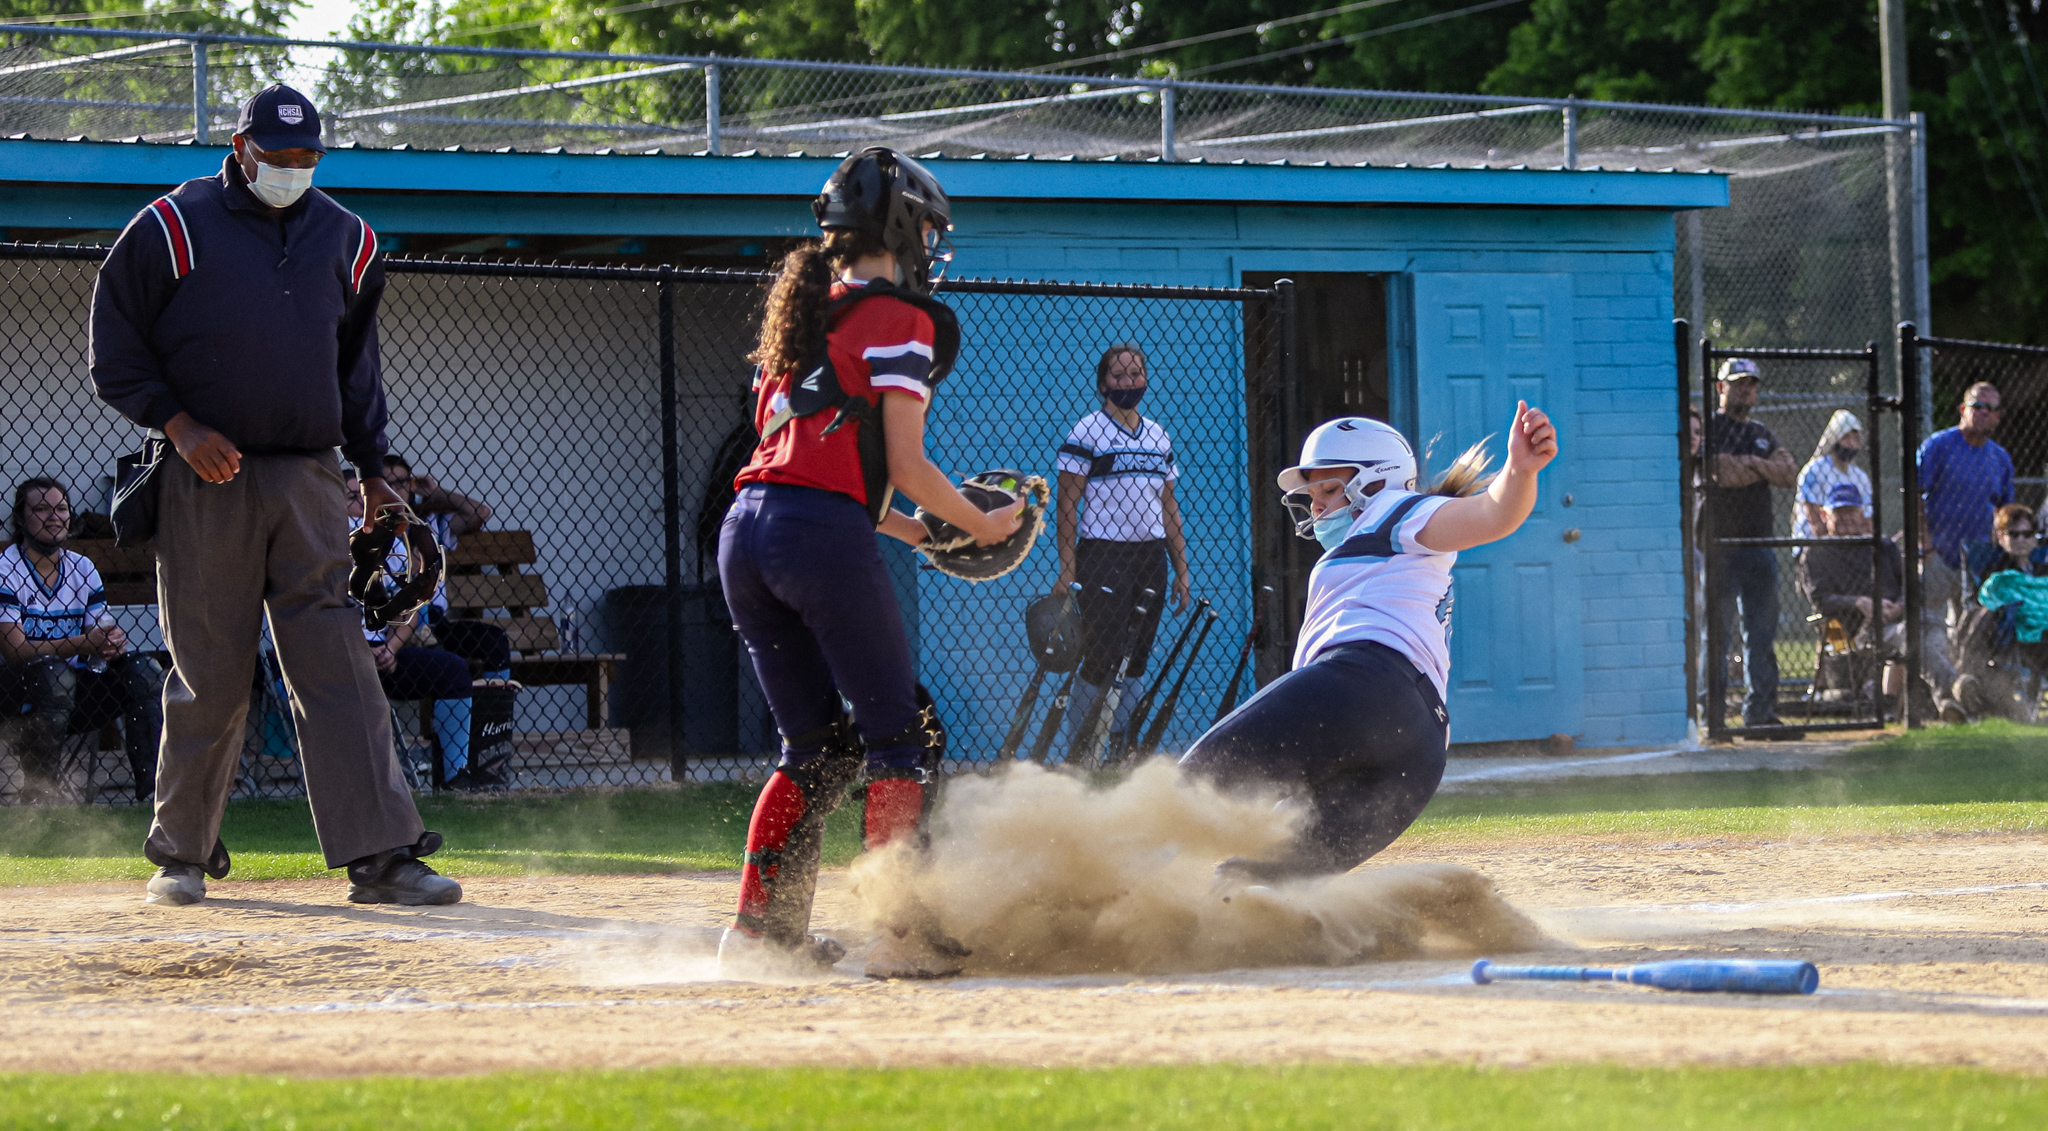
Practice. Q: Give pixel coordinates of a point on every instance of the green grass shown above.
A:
(693, 829)
(1987, 777)
(1583, 1098)
(1990, 776)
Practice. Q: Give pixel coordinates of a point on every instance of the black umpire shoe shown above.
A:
(402, 880)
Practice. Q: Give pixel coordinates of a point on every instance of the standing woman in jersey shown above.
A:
(851, 349)
(1119, 466)
(1358, 729)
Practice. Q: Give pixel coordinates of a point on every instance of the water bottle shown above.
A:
(98, 663)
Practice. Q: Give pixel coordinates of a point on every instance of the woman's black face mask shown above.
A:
(1126, 399)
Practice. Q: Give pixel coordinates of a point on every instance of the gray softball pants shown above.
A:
(273, 540)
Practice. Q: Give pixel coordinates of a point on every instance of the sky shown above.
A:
(319, 19)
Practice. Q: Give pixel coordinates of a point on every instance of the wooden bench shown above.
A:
(536, 657)
(129, 577)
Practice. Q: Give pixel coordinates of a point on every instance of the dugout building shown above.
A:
(1433, 297)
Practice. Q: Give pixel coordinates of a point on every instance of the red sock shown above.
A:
(894, 806)
(779, 808)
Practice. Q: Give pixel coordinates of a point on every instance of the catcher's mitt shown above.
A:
(386, 595)
(952, 551)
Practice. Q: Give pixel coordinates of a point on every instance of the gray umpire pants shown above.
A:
(274, 540)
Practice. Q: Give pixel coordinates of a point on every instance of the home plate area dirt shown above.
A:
(1931, 950)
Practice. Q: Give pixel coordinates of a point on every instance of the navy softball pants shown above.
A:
(808, 590)
(1357, 731)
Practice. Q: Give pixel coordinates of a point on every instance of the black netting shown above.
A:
(598, 413)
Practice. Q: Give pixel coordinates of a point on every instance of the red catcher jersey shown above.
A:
(881, 344)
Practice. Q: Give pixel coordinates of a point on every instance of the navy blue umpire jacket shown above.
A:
(263, 327)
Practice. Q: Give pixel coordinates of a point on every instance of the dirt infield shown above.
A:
(1931, 949)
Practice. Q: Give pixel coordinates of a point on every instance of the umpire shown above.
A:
(238, 316)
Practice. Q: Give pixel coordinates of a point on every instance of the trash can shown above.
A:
(636, 620)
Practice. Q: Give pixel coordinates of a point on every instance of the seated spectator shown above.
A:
(449, 513)
(1998, 664)
(409, 670)
(63, 663)
(1837, 581)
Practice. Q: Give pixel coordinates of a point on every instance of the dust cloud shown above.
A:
(1038, 872)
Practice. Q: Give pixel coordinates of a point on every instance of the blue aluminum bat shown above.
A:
(1700, 976)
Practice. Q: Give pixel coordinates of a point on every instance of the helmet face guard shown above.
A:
(1300, 502)
(386, 595)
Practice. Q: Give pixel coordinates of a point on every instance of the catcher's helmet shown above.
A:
(892, 197)
(952, 550)
(386, 595)
(1380, 454)
(1054, 625)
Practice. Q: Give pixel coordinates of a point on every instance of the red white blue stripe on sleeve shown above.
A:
(176, 235)
(366, 250)
(906, 367)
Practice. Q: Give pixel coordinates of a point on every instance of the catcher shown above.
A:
(852, 349)
(1359, 727)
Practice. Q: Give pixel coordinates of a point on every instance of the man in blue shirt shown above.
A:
(1965, 476)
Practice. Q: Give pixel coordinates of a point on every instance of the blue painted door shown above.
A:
(1483, 342)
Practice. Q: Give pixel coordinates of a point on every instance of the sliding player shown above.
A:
(1359, 725)
(851, 349)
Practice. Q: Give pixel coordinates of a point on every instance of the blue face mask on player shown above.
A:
(1333, 528)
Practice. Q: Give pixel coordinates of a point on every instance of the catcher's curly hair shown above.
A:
(797, 300)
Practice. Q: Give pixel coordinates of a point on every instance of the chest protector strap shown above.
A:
(818, 387)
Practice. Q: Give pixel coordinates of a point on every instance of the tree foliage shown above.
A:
(1975, 71)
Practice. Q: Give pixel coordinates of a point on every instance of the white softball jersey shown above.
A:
(1127, 477)
(47, 612)
(1384, 586)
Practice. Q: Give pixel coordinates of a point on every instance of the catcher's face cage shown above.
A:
(386, 595)
(601, 411)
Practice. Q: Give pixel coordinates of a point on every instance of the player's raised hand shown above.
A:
(1532, 440)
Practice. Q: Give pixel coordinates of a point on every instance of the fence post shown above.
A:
(672, 527)
(1688, 464)
(1167, 108)
(1715, 711)
(1910, 407)
(202, 110)
(1874, 403)
(712, 126)
(1287, 609)
(1571, 135)
(1923, 300)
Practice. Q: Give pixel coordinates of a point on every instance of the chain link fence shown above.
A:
(1824, 234)
(1798, 592)
(600, 414)
(1972, 535)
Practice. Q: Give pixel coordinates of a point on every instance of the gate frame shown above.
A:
(1714, 725)
(1914, 365)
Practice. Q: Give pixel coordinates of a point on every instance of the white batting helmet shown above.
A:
(1380, 454)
